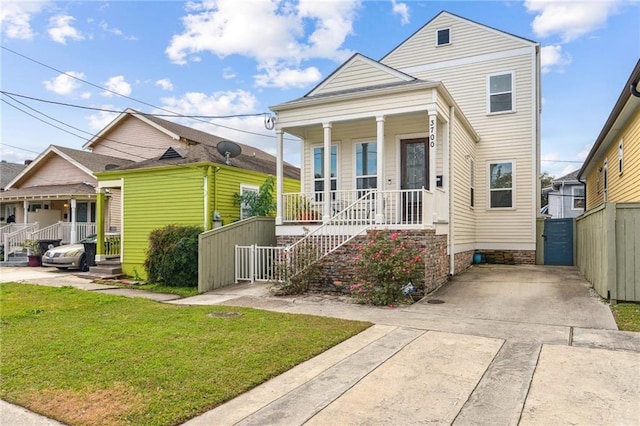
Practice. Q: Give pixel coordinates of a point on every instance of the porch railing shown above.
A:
(13, 241)
(412, 207)
(62, 231)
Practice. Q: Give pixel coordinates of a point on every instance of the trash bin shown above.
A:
(48, 244)
(90, 253)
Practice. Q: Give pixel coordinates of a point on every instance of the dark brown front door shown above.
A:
(415, 175)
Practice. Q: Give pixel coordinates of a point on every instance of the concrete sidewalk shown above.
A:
(509, 345)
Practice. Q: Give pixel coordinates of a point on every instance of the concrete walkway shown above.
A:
(510, 345)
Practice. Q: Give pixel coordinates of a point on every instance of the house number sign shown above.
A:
(432, 132)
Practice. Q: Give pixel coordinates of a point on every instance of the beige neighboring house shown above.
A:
(8, 171)
(440, 137)
(54, 197)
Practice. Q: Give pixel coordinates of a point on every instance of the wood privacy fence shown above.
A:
(216, 249)
(608, 250)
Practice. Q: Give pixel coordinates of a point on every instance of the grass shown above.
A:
(627, 316)
(86, 358)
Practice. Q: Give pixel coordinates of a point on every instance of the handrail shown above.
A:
(15, 240)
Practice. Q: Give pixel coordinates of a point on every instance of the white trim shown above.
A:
(109, 184)
(605, 179)
(359, 57)
(513, 185)
(443, 29)
(535, 142)
(621, 156)
(312, 147)
(251, 188)
(512, 91)
(467, 61)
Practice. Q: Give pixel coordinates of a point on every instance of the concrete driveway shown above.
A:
(510, 345)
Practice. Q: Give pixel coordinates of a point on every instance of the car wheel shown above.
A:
(84, 265)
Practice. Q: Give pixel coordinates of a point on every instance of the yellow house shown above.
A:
(612, 169)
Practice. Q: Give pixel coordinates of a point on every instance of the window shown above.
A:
(366, 166)
(443, 36)
(605, 179)
(620, 155)
(318, 171)
(472, 180)
(501, 185)
(577, 201)
(34, 207)
(500, 93)
(245, 208)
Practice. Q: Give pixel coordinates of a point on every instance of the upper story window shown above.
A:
(620, 157)
(443, 36)
(366, 166)
(577, 198)
(318, 170)
(605, 178)
(501, 184)
(500, 93)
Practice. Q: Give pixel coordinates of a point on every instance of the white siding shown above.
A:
(114, 218)
(464, 218)
(358, 74)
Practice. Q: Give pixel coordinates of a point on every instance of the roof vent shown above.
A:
(171, 154)
(111, 167)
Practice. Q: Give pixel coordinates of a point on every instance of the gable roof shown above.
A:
(201, 153)
(8, 171)
(251, 158)
(88, 162)
(453, 15)
(391, 73)
(571, 177)
(624, 108)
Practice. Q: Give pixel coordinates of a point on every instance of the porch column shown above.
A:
(327, 173)
(279, 175)
(25, 209)
(100, 223)
(433, 131)
(74, 236)
(380, 169)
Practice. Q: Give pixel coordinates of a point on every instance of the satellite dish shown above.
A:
(229, 150)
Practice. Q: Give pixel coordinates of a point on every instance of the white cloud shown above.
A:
(60, 29)
(287, 77)
(582, 155)
(15, 18)
(401, 9)
(217, 104)
(220, 27)
(64, 84)
(117, 84)
(100, 119)
(228, 73)
(105, 27)
(568, 18)
(553, 57)
(165, 84)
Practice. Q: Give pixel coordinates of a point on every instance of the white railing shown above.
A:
(14, 241)
(258, 263)
(406, 207)
(12, 227)
(62, 231)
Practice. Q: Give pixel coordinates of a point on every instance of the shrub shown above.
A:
(172, 257)
(261, 203)
(388, 267)
(296, 267)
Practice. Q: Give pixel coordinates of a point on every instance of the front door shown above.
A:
(415, 175)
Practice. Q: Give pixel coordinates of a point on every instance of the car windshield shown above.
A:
(89, 239)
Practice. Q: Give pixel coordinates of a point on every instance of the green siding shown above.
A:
(156, 197)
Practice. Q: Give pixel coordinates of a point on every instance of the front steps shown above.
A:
(104, 269)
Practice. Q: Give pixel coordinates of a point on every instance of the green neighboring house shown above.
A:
(190, 183)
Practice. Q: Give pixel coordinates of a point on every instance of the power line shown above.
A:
(563, 161)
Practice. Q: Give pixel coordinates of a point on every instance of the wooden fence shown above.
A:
(216, 249)
(608, 250)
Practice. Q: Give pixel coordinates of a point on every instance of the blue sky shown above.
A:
(238, 57)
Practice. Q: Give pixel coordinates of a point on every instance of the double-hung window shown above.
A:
(366, 166)
(620, 157)
(501, 184)
(318, 171)
(247, 191)
(500, 92)
(577, 198)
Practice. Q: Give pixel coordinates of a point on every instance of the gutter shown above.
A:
(452, 256)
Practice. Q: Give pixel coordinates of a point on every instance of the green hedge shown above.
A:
(172, 257)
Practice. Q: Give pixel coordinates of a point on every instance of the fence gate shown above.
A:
(558, 241)
(257, 263)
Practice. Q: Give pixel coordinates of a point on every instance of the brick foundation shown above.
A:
(337, 271)
(509, 257)
(462, 261)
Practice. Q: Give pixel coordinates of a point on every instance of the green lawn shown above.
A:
(627, 316)
(85, 358)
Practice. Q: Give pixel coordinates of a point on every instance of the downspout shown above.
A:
(585, 192)
(452, 266)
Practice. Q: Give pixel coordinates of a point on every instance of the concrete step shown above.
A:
(106, 270)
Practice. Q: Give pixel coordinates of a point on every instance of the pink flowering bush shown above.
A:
(388, 266)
